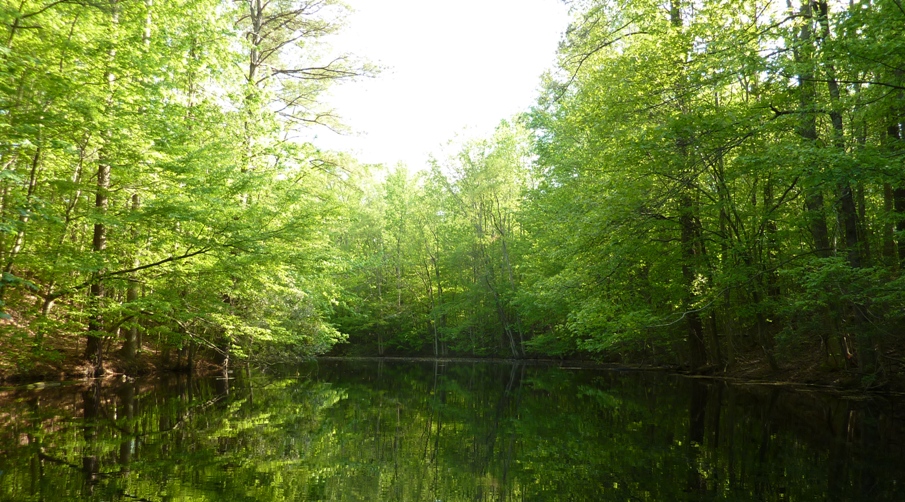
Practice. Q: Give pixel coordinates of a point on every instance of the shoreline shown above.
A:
(842, 382)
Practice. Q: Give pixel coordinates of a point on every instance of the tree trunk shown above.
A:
(130, 345)
(895, 133)
(868, 351)
(807, 129)
(848, 212)
(94, 345)
(888, 232)
(690, 239)
(499, 222)
(24, 213)
(898, 197)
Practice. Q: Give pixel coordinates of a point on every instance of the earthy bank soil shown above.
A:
(62, 359)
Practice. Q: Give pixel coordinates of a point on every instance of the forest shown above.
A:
(703, 184)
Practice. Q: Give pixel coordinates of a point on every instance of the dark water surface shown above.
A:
(393, 431)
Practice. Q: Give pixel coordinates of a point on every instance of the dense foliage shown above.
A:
(151, 185)
(698, 182)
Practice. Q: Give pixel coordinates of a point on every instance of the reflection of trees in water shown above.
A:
(126, 394)
(86, 438)
(448, 431)
(91, 410)
(697, 425)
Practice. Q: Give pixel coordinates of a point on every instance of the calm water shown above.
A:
(374, 431)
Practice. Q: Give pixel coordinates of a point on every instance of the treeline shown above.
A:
(700, 181)
(153, 192)
(433, 258)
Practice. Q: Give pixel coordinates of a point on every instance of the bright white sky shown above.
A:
(450, 66)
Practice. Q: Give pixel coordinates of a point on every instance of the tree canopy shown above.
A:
(699, 183)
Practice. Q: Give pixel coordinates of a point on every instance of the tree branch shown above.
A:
(100, 277)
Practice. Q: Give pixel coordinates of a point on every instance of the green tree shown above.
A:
(130, 136)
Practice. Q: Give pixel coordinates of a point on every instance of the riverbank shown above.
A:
(808, 370)
(21, 363)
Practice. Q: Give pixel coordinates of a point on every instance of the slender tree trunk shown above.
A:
(690, 234)
(24, 215)
(807, 129)
(696, 346)
(848, 211)
(768, 281)
(896, 135)
(728, 319)
(714, 335)
(94, 345)
(130, 346)
(499, 222)
(898, 197)
(440, 323)
(889, 242)
(433, 304)
(689, 230)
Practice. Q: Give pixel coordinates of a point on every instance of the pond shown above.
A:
(446, 431)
